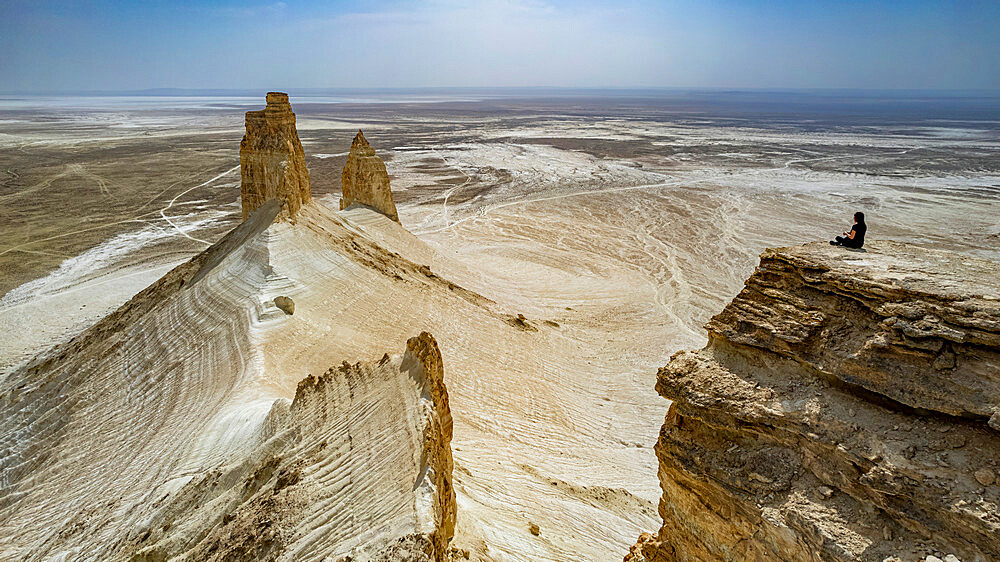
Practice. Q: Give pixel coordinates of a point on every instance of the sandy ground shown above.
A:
(618, 231)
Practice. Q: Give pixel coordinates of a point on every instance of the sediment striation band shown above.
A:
(272, 161)
(842, 410)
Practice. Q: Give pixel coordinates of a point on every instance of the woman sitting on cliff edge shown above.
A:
(856, 237)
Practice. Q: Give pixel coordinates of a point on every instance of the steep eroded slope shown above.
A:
(841, 411)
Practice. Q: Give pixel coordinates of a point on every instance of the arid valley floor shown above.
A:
(617, 224)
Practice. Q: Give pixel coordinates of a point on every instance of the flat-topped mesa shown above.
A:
(365, 180)
(272, 162)
(846, 407)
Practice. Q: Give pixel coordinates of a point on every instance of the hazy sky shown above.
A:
(71, 45)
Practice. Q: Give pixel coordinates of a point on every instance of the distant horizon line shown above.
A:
(219, 92)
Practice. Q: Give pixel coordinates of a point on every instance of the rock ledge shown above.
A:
(839, 412)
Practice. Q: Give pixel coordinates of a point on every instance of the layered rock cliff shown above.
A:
(272, 161)
(365, 180)
(842, 410)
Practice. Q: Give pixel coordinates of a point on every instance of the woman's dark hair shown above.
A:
(860, 217)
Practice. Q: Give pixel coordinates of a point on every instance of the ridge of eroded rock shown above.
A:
(839, 412)
(918, 326)
(272, 161)
(369, 424)
(365, 180)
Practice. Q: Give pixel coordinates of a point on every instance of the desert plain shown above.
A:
(609, 226)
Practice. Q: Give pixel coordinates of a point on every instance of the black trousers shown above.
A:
(843, 241)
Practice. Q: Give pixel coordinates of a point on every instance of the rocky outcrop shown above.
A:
(158, 433)
(841, 411)
(285, 304)
(436, 493)
(272, 162)
(921, 328)
(357, 467)
(365, 180)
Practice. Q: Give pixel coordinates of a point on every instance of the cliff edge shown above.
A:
(845, 408)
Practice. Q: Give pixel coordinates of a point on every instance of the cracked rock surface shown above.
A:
(839, 412)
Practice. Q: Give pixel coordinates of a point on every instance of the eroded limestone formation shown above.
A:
(272, 162)
(365, 472)
(844, 409)
(187, 458)
(365, 180)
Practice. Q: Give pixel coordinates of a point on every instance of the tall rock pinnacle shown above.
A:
(272, 162)
(365, 180)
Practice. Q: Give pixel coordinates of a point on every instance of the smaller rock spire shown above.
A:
(365, 180)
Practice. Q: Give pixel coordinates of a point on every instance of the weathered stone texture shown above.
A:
(424, 364)
(920, 327)
(272, 161)
(365, 180)
(357, 467)
(839, 412)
